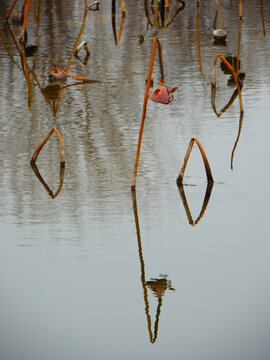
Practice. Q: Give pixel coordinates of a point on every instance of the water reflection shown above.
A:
(157, 285)
(160, 11)
(46, 187)
(207, 195)
(117, 39)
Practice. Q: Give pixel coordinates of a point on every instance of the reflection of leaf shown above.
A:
(47, 188)
(204, 206)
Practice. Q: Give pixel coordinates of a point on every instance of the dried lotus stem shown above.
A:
(74, 76)
(155, 40)
(43, 142)
(180, 177)
(24, 21)
(213, 75)
(10, 10)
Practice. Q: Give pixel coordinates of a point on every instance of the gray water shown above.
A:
(98, 272)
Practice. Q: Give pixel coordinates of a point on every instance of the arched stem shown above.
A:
(180, 177)
(43, 142)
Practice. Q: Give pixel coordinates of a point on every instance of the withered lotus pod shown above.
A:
(219, 34)
(162, 94)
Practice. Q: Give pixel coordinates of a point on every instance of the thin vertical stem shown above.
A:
(240, 10)
(134, 176)
(261, 7)
(25, 20)
(219, 14)
(238, 48)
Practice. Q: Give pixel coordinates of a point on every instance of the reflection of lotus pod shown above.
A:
(219, 34)
(162, 94)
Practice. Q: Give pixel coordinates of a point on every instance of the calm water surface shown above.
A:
(97, 273)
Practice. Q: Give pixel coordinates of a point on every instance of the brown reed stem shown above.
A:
(123, 7)
(213, 75)
(43, 142)
(24, 21)
(155, 40)
(240, 10)
(219, 14)
(10, 10)
(238, 47)
(180, 177)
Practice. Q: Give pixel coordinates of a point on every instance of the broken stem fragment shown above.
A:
(43, 142)
(180, 177)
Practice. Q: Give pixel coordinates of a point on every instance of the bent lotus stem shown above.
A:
(43, 142)
(74, 76)
(180, 177)
(213, 75)
(148, 83)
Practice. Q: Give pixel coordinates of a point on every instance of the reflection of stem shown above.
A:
(240, 10)
(43, 142)
(205, 160)
(198, 37)
(117, 40)
(219, 14)
(27, 77)
(78, 39)
(205, 203)
(148, 317)
(157, 319)
(238, 49)
(261, 7)
(237, 139)
(213, 73)
(226, 107)
(47, 188)
(24, 66)
(134, 176)
(36, 11)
